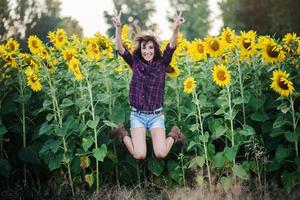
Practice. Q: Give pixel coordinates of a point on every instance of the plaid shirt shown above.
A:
(148, 80)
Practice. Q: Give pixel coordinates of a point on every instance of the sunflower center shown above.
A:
(282, 83)
(215, 45)
(221, 75)
(69, 56)
(189, 84)
(271, 52)
(228, 38)
(200, 48)
(247, 44)
(11, 46)
(34, 44)
(33, 78)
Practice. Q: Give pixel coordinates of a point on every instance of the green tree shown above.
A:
(267, 17)
(196, 14)
(5, 17)
(134, 12)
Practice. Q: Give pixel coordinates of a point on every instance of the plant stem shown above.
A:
(58, 118)
(68, 166)
(231, 119)
(95, 132)
(242, 92)
(294, 125)
(178, 102)
(23, 120)
(202, 133)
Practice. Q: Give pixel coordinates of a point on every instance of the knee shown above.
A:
(139, 156)
(160, 154)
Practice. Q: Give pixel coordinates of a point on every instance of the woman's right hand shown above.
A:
(116, 19)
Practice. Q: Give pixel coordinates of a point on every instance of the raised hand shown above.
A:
(179, 19)
(116, 19)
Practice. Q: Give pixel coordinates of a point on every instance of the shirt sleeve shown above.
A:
(127, 56)
(168, 54)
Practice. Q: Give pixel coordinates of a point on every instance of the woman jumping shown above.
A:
(149, 67)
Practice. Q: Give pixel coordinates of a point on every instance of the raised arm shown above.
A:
(118, 25)
(178, 22)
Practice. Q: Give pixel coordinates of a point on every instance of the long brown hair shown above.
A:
(145, 39)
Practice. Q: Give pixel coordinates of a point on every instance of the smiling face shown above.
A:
(147, 51)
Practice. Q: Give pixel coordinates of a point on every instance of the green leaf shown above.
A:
(110, 123)
(198, 160)
(191, 145)
(239, 171)
(3, 130)
(291, 137)
(45, 129)
(174, 170)
(4, 168)
(220, 111)
(62, 132)
(218, 160)
(118, 115)
(259, 116)
(194, 127)
(247, 130)
(219, 132)
(28, 155)
(226, 183)
(66, 103)
(93, 123)
(279, 122)
(213, 124)
(238, 101)
(257, 103)
(87, 142)
(104, 98)
(156, 166)
(100, 153)
(282, 153)
(205, 137)
(55, 161)
(22, 99)
(50, 144)
(230, 152)
(297, 161)
(290, 180)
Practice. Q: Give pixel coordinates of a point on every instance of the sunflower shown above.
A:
(12, 45)
(228, 38)
(176, 70)
(93, 51)
(270, 50)
(189, 85)
(2, 51)
(69, 53)
(175, 73)
(221, 75)
(75, 69)
(281, 83)
(197, 50)
(182, 45)
(246, 43)
(290, 41)
(126, 38)
(214, 46)
(60, 38)
(298, 47)
(32, 79)
(35, 45)
(105, 45)
(11, 60)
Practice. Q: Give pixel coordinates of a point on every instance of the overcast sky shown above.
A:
(90, 15)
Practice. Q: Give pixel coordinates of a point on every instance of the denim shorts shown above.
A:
(147, 121)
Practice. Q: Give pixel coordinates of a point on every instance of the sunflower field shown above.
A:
(235, 97)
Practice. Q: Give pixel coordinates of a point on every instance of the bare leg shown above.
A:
(136, 144)
(161, 144)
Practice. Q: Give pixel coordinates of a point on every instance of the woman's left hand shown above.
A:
(179, 19)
